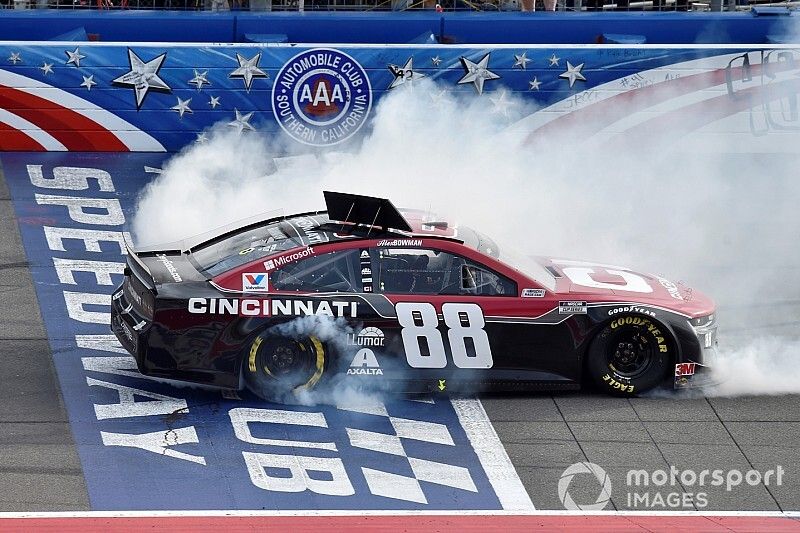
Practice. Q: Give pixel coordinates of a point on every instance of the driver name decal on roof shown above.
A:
(400, 242)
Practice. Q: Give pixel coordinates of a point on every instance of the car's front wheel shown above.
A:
(277, 366)
(630, 355)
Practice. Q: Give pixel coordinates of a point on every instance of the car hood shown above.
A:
(595, 281)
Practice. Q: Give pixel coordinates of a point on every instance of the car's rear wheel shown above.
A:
(630, 355)
(276, 367)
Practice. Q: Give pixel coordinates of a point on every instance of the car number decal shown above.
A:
(465, 323)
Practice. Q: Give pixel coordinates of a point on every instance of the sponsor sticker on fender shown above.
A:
(321, 97)
(685, 369)
(533, 293)
(255, 282)
(570, 308)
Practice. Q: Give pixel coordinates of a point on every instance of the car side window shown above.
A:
(331, 272)
(425, 271)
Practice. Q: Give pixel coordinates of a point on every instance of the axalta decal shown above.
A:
(170, 268)
(321, 97)
(271, 307)
(272, 264)
(400, 242)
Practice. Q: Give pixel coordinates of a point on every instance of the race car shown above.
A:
(368, 295)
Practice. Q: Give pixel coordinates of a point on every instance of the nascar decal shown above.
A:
(321, 97)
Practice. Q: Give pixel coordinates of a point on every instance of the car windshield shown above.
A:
(523, 264)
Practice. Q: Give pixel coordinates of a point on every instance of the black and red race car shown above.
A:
(371, 295)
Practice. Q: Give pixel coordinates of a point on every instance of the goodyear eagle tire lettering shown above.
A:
(630, 355)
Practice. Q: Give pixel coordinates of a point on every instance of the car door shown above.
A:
(446, 305)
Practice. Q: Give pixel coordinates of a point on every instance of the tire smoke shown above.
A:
(715, 208)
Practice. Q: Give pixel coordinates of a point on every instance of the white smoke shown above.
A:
(690, 208)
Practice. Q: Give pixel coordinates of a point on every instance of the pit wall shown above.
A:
(90, 96)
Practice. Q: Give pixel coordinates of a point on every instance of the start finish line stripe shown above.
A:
(423, 523)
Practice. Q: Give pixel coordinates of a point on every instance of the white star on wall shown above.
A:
(436, 60)
(143, 76)
(88, 82)
(214, 102)
(554, 59)
(47, 68)
(14, 58)
(521, 61)
(200, 79)
(182, 107)
(242, 122)
(405, 74)
(477, 73)
(572, 74)
(534, 84)
(248, 70)
(74, 58)
(500, 103)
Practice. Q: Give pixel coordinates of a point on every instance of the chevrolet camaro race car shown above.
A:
(370, 295)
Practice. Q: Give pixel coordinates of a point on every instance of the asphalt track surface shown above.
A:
(542, 434)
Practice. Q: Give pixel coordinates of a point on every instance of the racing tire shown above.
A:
(277, 368)
(630, 355)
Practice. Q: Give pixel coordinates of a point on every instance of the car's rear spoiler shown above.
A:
(368, 210)
(137, 266)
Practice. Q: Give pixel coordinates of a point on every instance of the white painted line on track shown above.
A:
(493, 457)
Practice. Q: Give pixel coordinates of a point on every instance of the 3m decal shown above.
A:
(685, 369)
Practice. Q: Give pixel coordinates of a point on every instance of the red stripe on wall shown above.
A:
(13, 140)
(72, 129)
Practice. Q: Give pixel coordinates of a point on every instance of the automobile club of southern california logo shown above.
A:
(321, 97)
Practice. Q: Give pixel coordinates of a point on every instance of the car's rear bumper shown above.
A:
(129, 326)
